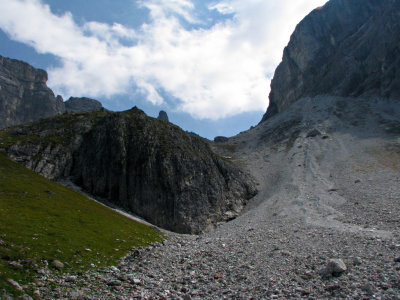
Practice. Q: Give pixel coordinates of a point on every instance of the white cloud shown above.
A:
(160, 9)
(222, 7)
(215, 72)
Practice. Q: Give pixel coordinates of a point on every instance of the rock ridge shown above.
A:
(144, 165)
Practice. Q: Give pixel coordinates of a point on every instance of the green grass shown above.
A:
(41, 220)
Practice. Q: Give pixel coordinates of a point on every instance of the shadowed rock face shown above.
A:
(24, 95)
(347, 48)
(147, 166)
(163, 116)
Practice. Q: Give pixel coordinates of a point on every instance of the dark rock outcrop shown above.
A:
(24, 95)
(147, 166)
(347, 48)
(220, 139)
(163, 116)
(83, 104)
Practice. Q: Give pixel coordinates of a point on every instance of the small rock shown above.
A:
(114, 269)
(71, 278)
(2, 243)
(41, 272)
(30, 263)
(332, 287)
(286, 253)
(334, 267)
(14, 284)
(15, 265)
(58, 264)
(114, 283)
(313, 133)
(37, 293)
(217, 276)
(77, 294)
(136, 281)
(186, 297)
(397, 259)
(367, 288)
(357, 261)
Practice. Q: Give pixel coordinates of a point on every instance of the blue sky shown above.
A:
(207, 63)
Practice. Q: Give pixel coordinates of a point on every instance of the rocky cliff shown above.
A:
(24, 95)
(147, 166)
(346, 48)
(82, 104)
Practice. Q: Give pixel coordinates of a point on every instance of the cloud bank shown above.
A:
(208, 71)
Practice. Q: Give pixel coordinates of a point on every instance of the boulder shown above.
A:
(83, 104)
(163, 116)
(334, 267)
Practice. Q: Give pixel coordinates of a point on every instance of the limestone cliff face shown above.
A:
(24, 95)
(147, 166)
(347, 48)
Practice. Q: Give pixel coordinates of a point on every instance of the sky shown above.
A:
(207, 63)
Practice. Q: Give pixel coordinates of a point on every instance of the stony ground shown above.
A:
(329, 189)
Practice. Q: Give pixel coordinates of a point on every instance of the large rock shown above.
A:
(83, 104)
(147, 166)
(334, 267)
(345, 48)
(163, 116)
(24, 95)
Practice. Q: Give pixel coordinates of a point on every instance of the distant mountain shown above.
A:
(24, 95)
(147, 166)
(347, 48)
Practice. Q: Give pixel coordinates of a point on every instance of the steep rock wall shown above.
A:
(347, 48)
(24, 95)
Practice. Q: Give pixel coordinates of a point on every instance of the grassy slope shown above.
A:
(42, 220)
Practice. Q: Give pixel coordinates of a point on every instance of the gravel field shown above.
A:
(325, 223)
